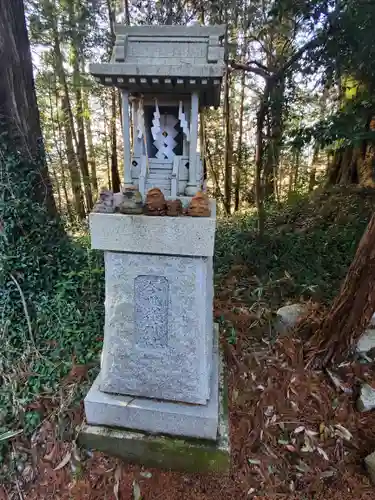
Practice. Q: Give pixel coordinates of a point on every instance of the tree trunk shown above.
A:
(206, 148)
(59, 144)
(56, 186)
(227, 148)
(76, 29)
(82, 151)
(237, 186)
(115, 176)
(259, 153)
(352, 309)
(68, 127)
(66, 196)
(276, 100)
(296, 168)
(106, 134)
(90, 143)
(72, 165)
(313, 167)
(19, 114)
(353, 166)
(113, 131)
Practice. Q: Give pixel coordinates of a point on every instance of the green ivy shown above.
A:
(61, 282)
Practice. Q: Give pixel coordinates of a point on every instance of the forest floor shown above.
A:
(293, 434)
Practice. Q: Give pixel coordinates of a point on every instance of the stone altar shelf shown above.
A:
(159, 369)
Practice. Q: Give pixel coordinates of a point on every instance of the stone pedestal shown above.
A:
(159, 450)
(159, 371)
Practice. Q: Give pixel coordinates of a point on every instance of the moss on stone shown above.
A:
(166, 452)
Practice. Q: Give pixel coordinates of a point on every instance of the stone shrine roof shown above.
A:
(166, 59)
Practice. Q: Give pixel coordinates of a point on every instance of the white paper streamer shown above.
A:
(140, 119)
(155, 129)
(165, 143)
(183, 122)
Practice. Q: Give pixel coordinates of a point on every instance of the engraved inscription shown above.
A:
(164, 51)
(151, 297)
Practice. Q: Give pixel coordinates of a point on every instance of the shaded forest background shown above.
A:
(297, 98)
(290, 157)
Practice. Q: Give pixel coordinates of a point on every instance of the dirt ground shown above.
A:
(294, 435)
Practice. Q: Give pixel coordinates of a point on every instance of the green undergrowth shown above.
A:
(52, 286)
(51, 309)
(306, 249)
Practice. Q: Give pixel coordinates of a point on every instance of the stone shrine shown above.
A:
(160, 390)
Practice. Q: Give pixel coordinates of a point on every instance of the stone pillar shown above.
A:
(126, 127)
(192, 188)
(159, 369)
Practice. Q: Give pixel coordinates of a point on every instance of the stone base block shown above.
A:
(165, 452)
(155, 416)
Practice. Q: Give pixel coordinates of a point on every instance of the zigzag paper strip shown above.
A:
(140, 119)
(165, 142)
(183, 122)
(155, 129)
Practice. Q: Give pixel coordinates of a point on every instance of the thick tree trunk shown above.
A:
(352, 309)
(19, 114)
(353, 166)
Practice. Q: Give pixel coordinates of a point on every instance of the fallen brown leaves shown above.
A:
(295, 434)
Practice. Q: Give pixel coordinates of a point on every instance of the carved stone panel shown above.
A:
(158, 326)
(151, 303)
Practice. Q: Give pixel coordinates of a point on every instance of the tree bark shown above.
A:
(72, 163)
(259, 153)
(19, 113)
(113, 131)
(91, 148)
(237, 185)
(296, 168)
(76, 29)
(313, 167)
(352, 309)
(68, 125)
(59, 144)
(227, 148)
(275, 112)
(82, 151)
(106, 135)
(115, 176)
(353, 166)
